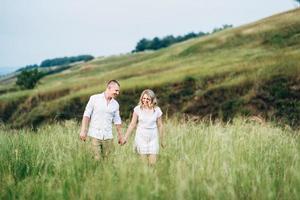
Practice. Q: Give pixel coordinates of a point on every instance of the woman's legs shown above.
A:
(144, 158)
(152, 159)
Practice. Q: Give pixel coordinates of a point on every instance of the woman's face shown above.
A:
(146, 100)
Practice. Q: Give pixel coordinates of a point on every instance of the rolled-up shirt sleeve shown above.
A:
(117, 118)
(89, 108)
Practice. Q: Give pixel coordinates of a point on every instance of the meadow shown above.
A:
(205, 160)
(228, 76)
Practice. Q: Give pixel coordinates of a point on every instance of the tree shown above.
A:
(167, 41)
(155, 44)
(142, 45)
(27, 79)
(298, 1)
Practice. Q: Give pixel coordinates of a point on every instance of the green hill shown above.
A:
(249, 70)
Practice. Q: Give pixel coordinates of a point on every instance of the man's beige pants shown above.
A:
(102, 148)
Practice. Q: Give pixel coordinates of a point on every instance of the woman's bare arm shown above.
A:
(131, 126)
(161, 132)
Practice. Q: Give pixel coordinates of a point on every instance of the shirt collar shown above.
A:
(103, 95)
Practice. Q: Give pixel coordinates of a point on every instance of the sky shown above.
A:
(34, 30)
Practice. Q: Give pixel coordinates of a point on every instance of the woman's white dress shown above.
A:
(146, 137)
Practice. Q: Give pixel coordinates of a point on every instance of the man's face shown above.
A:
(113, 90)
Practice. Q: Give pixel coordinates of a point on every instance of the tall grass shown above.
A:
(242, 160)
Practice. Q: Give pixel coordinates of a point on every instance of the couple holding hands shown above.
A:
(102, 110)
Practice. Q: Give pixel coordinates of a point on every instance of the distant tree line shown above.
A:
(157, 43)
(58, 61)
(27, 67)
(225, 26)
(29, 75)
(65, 60)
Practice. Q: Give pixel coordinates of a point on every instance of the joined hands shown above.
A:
(122, 140)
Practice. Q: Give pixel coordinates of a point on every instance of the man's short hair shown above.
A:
(114, 82)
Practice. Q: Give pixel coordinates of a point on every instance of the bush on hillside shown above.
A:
(29, 78)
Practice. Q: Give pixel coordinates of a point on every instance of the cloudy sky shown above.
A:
(34, 30)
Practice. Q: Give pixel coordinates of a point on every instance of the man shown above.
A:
(101, 110)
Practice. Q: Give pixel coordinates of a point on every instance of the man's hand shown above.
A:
(84, 128)
(122, 140)
(83, 136)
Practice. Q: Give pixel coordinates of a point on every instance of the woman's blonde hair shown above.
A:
(151, 94)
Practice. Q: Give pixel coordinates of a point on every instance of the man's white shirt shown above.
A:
(102, 115)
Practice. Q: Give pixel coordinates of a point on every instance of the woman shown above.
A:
(147, 117)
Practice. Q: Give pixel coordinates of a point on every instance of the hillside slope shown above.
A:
(249, 70)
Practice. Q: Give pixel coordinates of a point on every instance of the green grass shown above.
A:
(241, 160)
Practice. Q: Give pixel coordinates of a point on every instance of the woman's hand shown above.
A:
(83, 135)
(124, 140)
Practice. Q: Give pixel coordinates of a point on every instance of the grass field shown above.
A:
(240, 160)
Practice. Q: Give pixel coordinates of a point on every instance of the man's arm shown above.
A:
(84, 127)
(86, 118)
